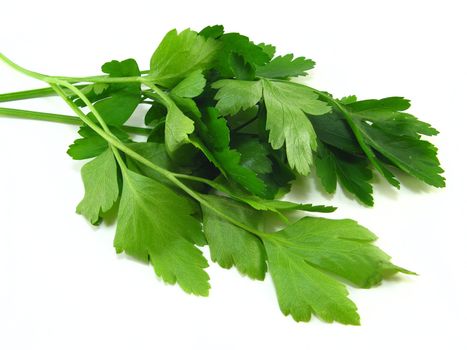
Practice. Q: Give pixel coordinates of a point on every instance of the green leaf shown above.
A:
(155, 114)
(235, 43)
(268, 49)
(355, 176)
(416, 157)
(237, 95)
(241, 68)
(215, 144)
(280, 206)
(90, 144)
(229, 161)
(177, 128)
(285, 67)
(191, 86)
(231, 245)
(100, 185)
(126, 68)
(116, 102)
(254, 155)
(276, 206)
(393, 104)
(156, 224)
(180, 54)
(118, 108)
(386, 114)
(154, 152)
(305, 257)
(326, 171)
(115, 69)
(95, 89)
(353, 173)
(396, 136)
(347, 99)
(286, 105)
(303, 290)
(213, 32)
(333, 130)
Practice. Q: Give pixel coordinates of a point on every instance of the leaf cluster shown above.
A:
(229, 131)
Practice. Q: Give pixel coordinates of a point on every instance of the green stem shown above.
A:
(26, 94)
(99, 79)
(61, 118)
(25, 71)
(46, 92)
(57, 79)
(158, 92)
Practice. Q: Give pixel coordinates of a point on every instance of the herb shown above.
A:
(228, 131)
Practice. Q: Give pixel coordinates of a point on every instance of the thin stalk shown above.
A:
(59, 80)
(99, 79)
(26, 94)
(44, 92)
(61, 118)
(158, 92)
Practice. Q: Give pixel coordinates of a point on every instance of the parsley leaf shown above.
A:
(334, 131)
(304, 258)
(254, 155)
(177, 127)
(156, 224)
(237, 95)
(120, 100)
(231, 245)
(157, 154)
(353, 173)
(215, 144)
(285, 67)
(235, 43)
(213, 32)
(383, 128)
(180, 54)
(286, 105)
(191, 86)
(90, 144)
(101, 186)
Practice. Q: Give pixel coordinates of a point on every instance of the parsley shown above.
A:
(227, 132)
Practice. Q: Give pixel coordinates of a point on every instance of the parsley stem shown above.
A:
(99, 79)
(61, 118)
(55, 79)
(43, 92)
(25, 71)
(26, 94)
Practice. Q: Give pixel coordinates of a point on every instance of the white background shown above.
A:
(63, 287)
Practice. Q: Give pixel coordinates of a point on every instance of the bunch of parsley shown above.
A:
(227, 132)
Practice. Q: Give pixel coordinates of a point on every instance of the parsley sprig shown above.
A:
(227, 132)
